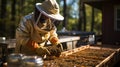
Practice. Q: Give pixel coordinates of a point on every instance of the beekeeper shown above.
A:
(37, 28)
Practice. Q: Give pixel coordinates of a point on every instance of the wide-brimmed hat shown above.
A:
(50, 8)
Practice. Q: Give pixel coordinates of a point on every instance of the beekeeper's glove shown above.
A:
(55, 50)
(41, 51)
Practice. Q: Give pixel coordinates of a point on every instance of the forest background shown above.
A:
(11, 12)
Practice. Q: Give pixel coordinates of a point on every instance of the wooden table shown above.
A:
(69, 42)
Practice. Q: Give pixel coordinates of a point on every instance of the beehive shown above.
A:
(85, 56)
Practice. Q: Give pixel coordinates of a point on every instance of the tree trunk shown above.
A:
(22, 7)
(92, 24)
(65, 14)
(84, 18)
(13, 10)
(3, 9)
(2, 17)
(80, 16)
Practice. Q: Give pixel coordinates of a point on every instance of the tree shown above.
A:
(65, 14)
(70, 14)
(3, 16)
(82, 16)
(92, 22)
(13, 10)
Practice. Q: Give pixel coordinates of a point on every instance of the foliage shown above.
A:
(97, 19)
(98, 22)
(88, 17)
(23, 7)
(72, 15)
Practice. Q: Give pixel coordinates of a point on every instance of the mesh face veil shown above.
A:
(38, 18)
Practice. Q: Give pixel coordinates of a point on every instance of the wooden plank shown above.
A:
(66, 53)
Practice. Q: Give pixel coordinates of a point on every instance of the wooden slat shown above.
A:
(74, 50)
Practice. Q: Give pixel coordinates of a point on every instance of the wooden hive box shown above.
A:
(85, 56)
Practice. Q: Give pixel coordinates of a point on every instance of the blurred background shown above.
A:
(11, 12)
(90, 20)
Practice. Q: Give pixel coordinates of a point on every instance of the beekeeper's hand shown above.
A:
(55, 50)
(42, 51)
(60, 46)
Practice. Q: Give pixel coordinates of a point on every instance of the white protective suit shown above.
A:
(28, 30)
